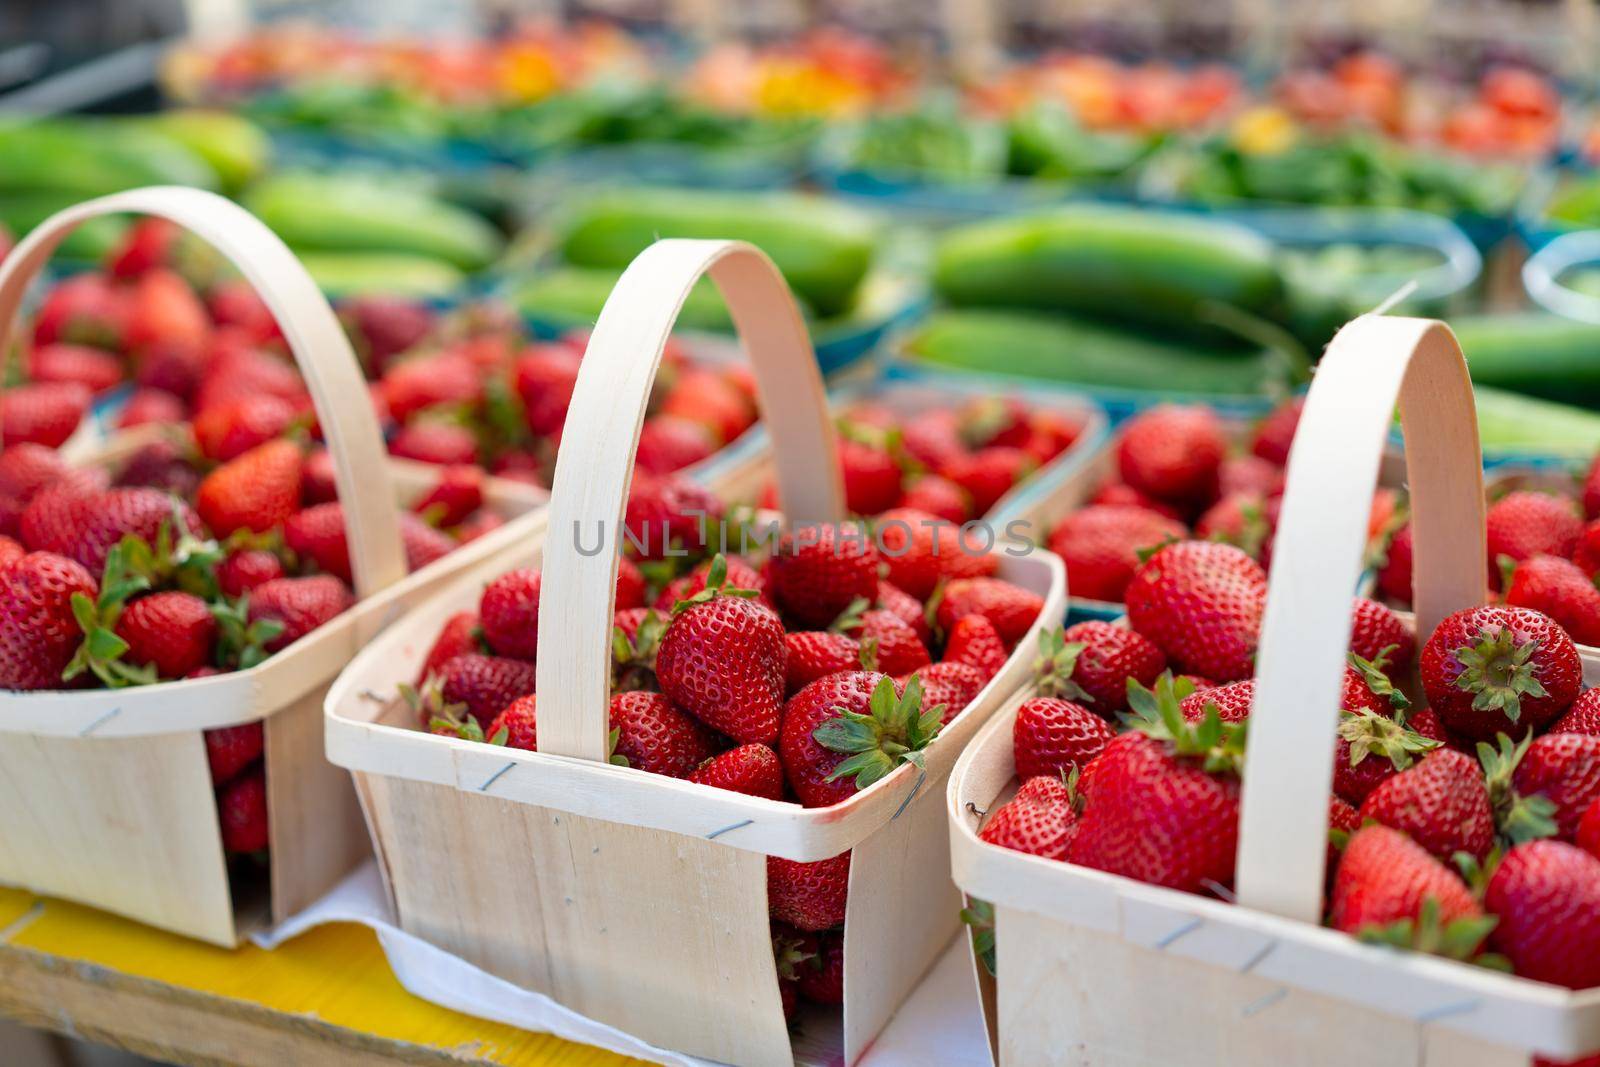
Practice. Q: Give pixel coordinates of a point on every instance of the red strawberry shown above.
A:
(509, 609)
(382, 327)
(740, 575)
(423, 543)
(1385, 878)
(161, 464)
(1441, 803)
(257, 491)
(458, 637)
(1174, 453)
(820, 975)
(148, 407)
(1243, 519)
(722, 660)
(87, 527)
(163, 309)
(429, 441)
(1052, 737)
(485, 685)
(654, 736)
(170, 631)
(38, 632)
(1563, 770)
(750, 769)
(432, 380)
(933, 438)
(919, 549)
(871, 477)
(1275, 433)
(1492, 670)
(814, 654)
(319, 477)
(819, 571)
(810, 896)
(975, 642)
(25, 469)
(989, 474)
(1232, 701)
(1524, 523)
(1547, 897)
(1559, 589)
(1587, 555)
(912, 612)
(1201, 603)
(1039, 820)
(895, 644)
(844, 732)
(543, 377)
(518, 725)
(1100, 546)
(242, 813)
(1394, 576)
(43, 413)
(1116, 494)
(93, 368)
(300, 604)
(230, 749)
(236, 303)
(1376, 631)
(224, 431)
(948, 684)
(236, 369)
(455, 496)
(1012, 609)
(1583, 717)
(1343, 817)
(939, 497)
(1372, 748)
(668, 443)
(10, 551)
(1091, 662)
(1588, 837)
(84, 309)
(1591, 489)
(669, 510)
(1249, 474)
(707, 397)
(243, 570)
(317, 536)
(147, 244)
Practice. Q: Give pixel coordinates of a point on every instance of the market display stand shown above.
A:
(327, 997)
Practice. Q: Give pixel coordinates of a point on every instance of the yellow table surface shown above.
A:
(328, 996)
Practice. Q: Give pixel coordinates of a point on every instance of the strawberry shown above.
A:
(224, 431)
(871, 477)
(1174, 453)
(38, 631)
(668, 443)
(423, 543)
(381, 327)
(1563, 770)
(787, 956)
(87, 527)
(722, 660)
(25, 469)
(432, 380)
(1039, 820)
(235, 370)
(1052, 737)
(1591, 489)
(654, 736)
(146, 245)
(458, 636)
(161, 464)
(235, 303)
(668, 511)
(706, 397)
(1559, 589)
(230, 749)
(1588, 837)
(814, 654)
(83, 309)
(1117, 494)
(818, 571)
(844, 732)
(1394, 575)
(1274, 434)
(1201, 603)
(933, 438)
(300, 604)
(485, 685)
(509, 610)
(93, 368)
(1441, 803)
(948, 684)
(316, 535)
(1232, 701)
(1249, 474)
(1490, 670)
(43, 413)
(1547, 897)
(939, 497)
(1524, 523)
(256, 491)
(1163, 807)
(1091, 662)
(809, 896)
(517, 726)
(163, 308)
(1389, 889)
(912, 612)
(242, 813)
(455, 496)
(919, 549)
(1100, 546)
(894, 643)
(1583, 717)
(430, 441)
(740, 575)
(975, 642)
(753, 769)
(1372, 748)
(10, 551)
(170, 631)
(1376, 632)
(820, 974)
(1012, 609)
(243, 570)
(1243, 519)
(1587, 555)
(989, 474)
(544, 376)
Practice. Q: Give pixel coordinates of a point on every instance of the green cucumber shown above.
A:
(1512, 423)
(93, 157)
(350, 213)
(1533, 352)
(383, 273)
(1060, 348)
(233, 146)
(91, 240)
(823, 248)
(1161, 271)
(573, 296)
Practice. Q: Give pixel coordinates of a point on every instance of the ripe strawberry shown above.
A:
(668, 511)
(975, 642)
(432, 441)
(317, 536)
(989, 474)
(235, 369)
(87, 527)
(1012, 609)
(1587, 555)
(920, 548)
(740, 575)
(1588, 837)
(455, 496)
(224, 431)
(1100, 546)
(163, 309)
(43, 413)
(1583, 717)
(819, 571)
(842, 733)
(243, 570)
(1275, 433)
(1249, 474)
(1591, 489)
(707, 397)
(83, 309)
(236, 304)
(937, 496)
(933, 438)
(1547, 897)
(949, 685)
(161, 464)
(1385, 878)
(1173, 453)
(256, 491)
(93, 368)
(1563, 770)
(230, 749)
(1492, 670)
(382, 327)
(25, 469)
(1201, 604)
(912, 612)
(517, 726)
(10, 551)
(1243, 519)
(814, 654)
(1394, 576)
(1039, 820)
(1559, 589)
(1052, 737)
(1091, 662)
(38, 631)
(432, 380)
(750, 769)
(148, 407)
(485, 685)
(423, 543)
(1376, 631)
(809, 896)
(668, 443)
(820, 975)
(1232, 701)
(509, 610)
(543, 377)
(170, 631)
(1524, 523)
(894, 643)
(1441, 803)
(871, 477)
(458, 637)
(1117, 495)
(1373, 747)
(654, 736)
(146, 245)
(1163, 806)
(300, 604)
(722, 660)
(242, 813)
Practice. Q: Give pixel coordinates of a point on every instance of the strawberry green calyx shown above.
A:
(1498, 673)
(716, 585)
(241, 644)
(633, 660)
(1518, 818)
(788, 952)
(1218, 745)
(868, 657)
(1371, 671)
(979, 915)
(102, 649)
(1148, 551)
(1459, 939)
(1054, 666)
(180, 559)
(1370, 734)
(895, 731)
(851, 617)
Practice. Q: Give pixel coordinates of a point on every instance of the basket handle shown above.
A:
(595, 463)
(1316, 562)
(319, 345)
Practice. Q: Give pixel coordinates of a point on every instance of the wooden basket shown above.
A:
(1095, 968)
(636, 899)
(106, 794)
